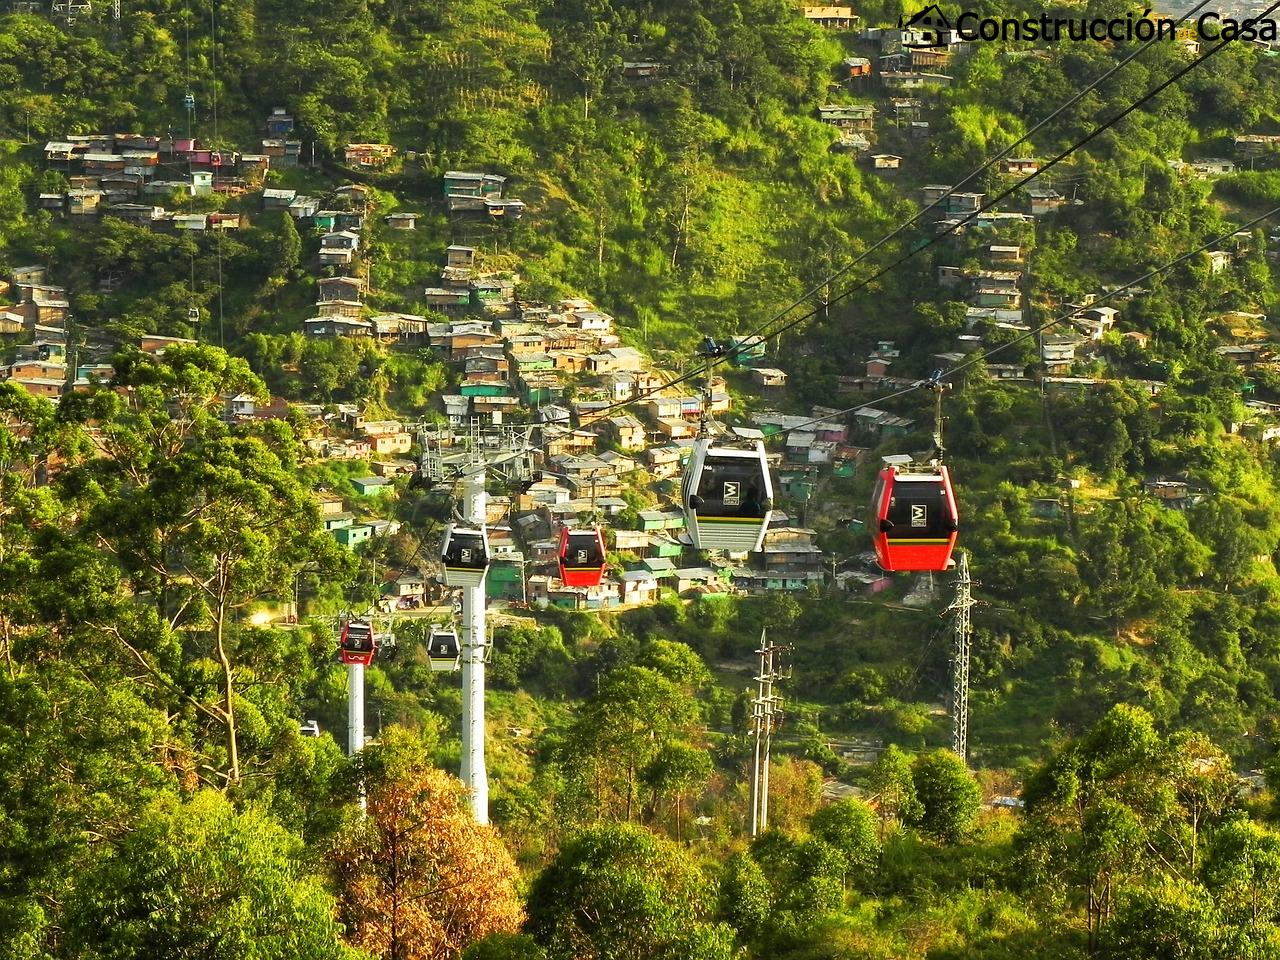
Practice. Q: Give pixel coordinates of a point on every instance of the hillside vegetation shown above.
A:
(156, 796)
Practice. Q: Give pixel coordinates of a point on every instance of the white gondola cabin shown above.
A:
(465, 555)
(728, 497)
(443, 650)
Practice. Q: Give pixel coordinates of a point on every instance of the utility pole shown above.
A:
(766, 717)
(467, 456)
(962, 635)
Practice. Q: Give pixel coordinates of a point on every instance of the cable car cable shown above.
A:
(929, 242)
(1155, 91)
(970, 177)
(791, 324)
(982, 355)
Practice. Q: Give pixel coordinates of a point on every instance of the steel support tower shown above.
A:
(962, 636)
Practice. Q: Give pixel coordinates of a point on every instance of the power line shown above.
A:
(983, 354)
(969, 178)
(953, 227)
(1097, 131)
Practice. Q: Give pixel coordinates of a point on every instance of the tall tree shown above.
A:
(288, 245)
(893, 787)
(949, 796)
(199, 880)
(619, 893)
(419, 879)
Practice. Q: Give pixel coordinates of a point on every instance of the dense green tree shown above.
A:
(202, 880)
(745, 896)
(948, 795)
(289, 252)
(850, 827)
(617, 892)
(892, 784)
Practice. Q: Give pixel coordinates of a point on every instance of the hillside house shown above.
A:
(1251, 145)
(665, 462)
(627, 432)
(457, 255)
(1005, 253)
(1177, 493)
(885, 161)
(47, 387)
(462, 184)
(84, 203)
(996, 292)
(336, 326)
(456, 408)
(352, 197)
(929, 59)
(368, 155)
(1096, 321)
(1058, 352)
(1019, 166)
(638, 587)
(304, 208)
(559, 441)
(390, 444)
(341, 289)
(831, 18)
(853, 117)
(675, 429)
(339, 248)
(339, 308)
(35, 369)
(616, 358)
(792, 553)
(882, 423)
(446, 300)
(280, 123)
(910, 80)
(856, 68)
(769, 377)
(1044, 200)
(156, 345)
(878, 366)
(282, 153)
(1242, 354)
(642, 72)
(274, 198)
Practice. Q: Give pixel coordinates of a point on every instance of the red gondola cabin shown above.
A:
(582, 557)
(914, 519)
(358, 643)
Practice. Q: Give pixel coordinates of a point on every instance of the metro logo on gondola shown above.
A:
(732, 494)
(919, 515)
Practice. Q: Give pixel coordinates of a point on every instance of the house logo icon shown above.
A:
(929, 29)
